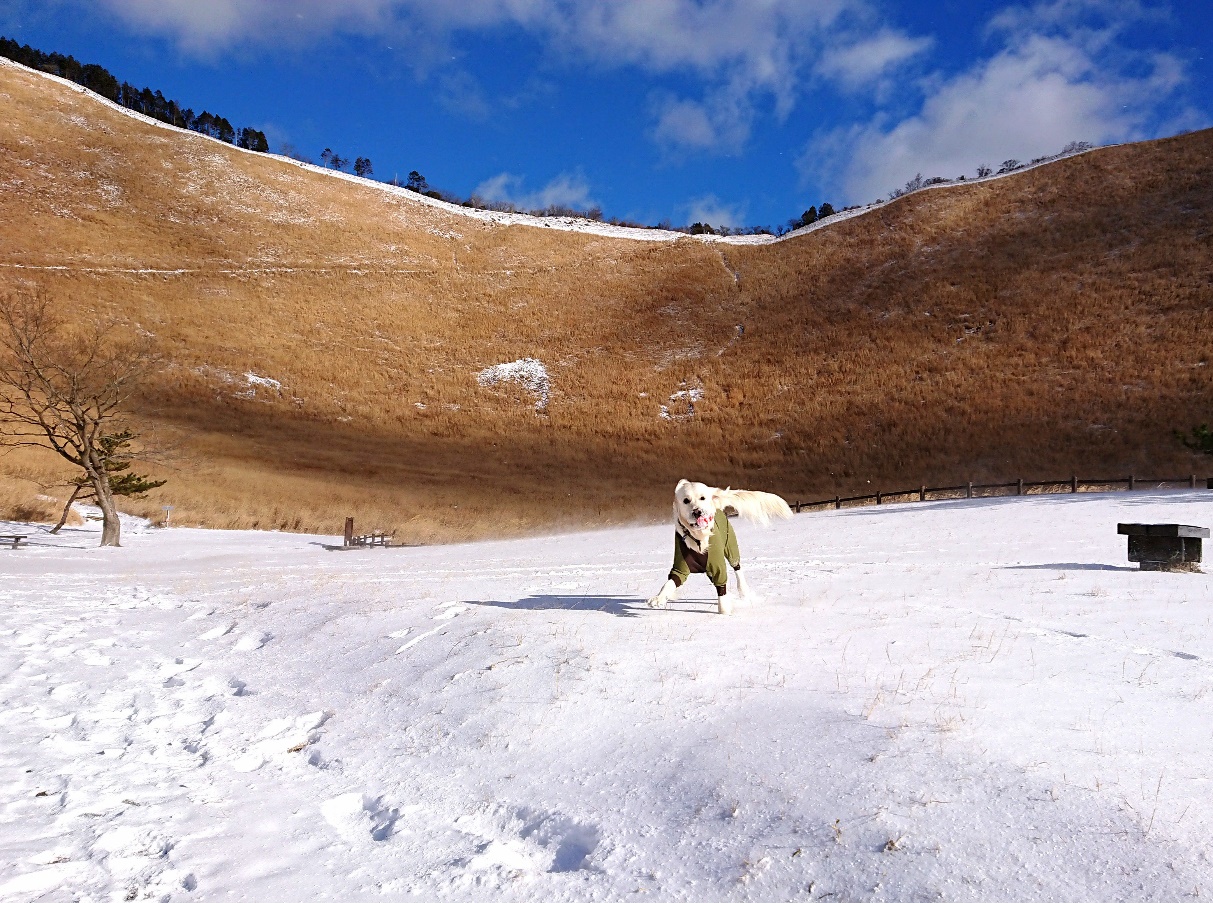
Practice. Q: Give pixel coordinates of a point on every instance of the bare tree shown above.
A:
(65, 389)
(117, 456)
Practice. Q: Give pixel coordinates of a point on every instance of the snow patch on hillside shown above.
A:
(682, 405)
(531, 374)
(264, 381)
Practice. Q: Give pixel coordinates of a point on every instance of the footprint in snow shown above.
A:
(509, 841)
(282, 735)
(356, 816)
(33, 885)
(252, 641)
(417, 639)
(215, 632)
(137, 860)
(178, 666)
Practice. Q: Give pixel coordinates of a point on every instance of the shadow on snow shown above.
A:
(620, 606)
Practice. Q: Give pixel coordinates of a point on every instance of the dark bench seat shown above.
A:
(1165, 547)
(13, 540)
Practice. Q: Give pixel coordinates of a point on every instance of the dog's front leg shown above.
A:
(668, 591)
(724, 604)
(742, 586)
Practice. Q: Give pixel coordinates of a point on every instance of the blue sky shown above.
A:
(734, 112)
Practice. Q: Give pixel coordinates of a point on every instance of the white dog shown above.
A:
(704, 541)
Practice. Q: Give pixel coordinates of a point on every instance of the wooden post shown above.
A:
(878, 494)
(922, 493)
(1074, 484)
(970, 491)
(1019, 487)
(349, 531)
(1193, 481)
(798, 507)
(1132, 480)
(837, 503)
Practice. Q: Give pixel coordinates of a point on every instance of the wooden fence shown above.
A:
(994, 490)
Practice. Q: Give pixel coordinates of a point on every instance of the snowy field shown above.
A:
(945, 701)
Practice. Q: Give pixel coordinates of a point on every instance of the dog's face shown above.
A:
(695, 506)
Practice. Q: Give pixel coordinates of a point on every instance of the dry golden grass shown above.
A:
(33, 488)
(1053, 322)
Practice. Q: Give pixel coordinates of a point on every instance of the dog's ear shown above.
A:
(682, 484)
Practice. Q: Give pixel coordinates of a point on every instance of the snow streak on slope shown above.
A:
(966, 701)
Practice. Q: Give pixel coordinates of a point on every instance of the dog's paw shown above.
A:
(724, 605)
(657, 601)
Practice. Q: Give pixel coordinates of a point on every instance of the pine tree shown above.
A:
(224, 130)
(1201, 439)
(252, 140)
(114, 453)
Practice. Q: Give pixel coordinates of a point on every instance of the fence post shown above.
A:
(1193, 481)
(349, 531)
(878, 493)
(1019, 487)
(837, 503)
(970, 492)
(922, 493)
(1074, 483)
(1132, 480)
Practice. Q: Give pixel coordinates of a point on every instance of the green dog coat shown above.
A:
(691, 558)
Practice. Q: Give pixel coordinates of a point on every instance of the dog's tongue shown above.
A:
(703, 521)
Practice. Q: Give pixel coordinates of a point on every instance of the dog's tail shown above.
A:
(753, 505)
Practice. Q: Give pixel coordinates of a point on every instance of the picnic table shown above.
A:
(14, 540)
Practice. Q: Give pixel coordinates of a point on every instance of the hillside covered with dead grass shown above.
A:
(325, 335)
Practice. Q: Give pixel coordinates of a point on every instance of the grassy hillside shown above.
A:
(1059, 320)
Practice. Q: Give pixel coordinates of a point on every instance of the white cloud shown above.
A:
(720, 122)
(566, 190)
(1038, 93)
(711, 210)
(461, 93)
(867, 60)
(215, 24)
(745, 52)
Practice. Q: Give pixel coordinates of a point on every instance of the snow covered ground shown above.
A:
(944, 701)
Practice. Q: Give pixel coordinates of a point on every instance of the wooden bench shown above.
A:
(377, 538)
(14, 540)
(1164, 547)
(374, 538)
